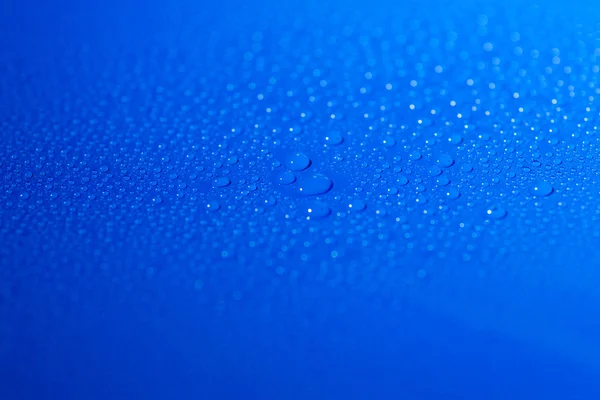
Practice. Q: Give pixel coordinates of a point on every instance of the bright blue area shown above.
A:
(309, 200)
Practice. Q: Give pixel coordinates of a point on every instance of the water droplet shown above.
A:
(285, 178)
(435, 171)
(357, 205)
(389, 142)
(496, 212)
(452, 194)
(541, 189)
(402, 180)
(317, 210)
(415, 155)
(213, 205)
(103, 168)
(443, 181)
(24, 195)
(312, 185)
(333, 139)
(298, 162)
(221, 181)
(455, 139)
(445, 161)
(270, 201)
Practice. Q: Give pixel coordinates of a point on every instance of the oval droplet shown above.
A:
(298, 162)
(313, 185)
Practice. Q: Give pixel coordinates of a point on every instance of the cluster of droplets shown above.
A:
(450, 140)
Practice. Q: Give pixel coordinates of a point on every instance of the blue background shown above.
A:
(156, 243)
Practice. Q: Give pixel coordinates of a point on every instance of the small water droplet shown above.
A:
(452, 194)
(285, 178)
(312, 185)
(334, 139)
(357, 205)
(415, 155)
(221, 181)
(445, 161)
(443, 181)
(541, 189)
(496, 212)
(435, 171)
(213, 205)
(389, 142)
(466, 168)
(298, 162)
(270, 201)
(317, 210)
(455, 139)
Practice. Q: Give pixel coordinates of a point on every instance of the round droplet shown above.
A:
(402, 180)
(103, 168)
(221, 181)
(496, 212)
(541, 189)
(443, 181)
(415, 155)
(421, 199)
(357, 205)
(213, 205)
(298, 162)
(445, 161)
(435, 171)
(157, 200)
(270, 201)
(455, 139)
(313, 185)
(452, 194)
(285, 178)
(333, 139)
(466, 168)
(317, 210)
(389, 142)
(24, 196)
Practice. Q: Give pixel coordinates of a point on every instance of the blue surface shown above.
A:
(308, 200)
